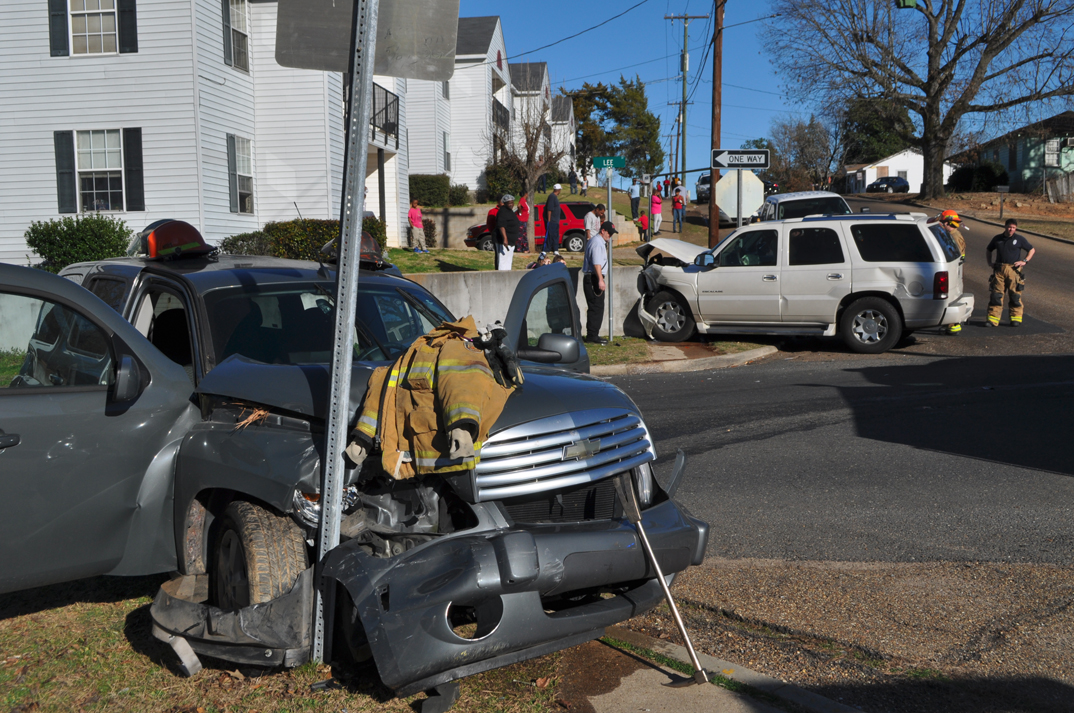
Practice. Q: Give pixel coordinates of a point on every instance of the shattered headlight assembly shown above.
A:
(307, 506)
(643, 480)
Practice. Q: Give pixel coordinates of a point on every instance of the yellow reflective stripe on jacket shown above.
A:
(455, 413)
(464, 367)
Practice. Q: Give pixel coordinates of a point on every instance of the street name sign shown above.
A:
(609, 162)
(740, 158)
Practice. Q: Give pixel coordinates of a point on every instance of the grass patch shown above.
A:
(735, 347)
(10, 363)
(443, 260)
(623, 350)
(925, 673)
(686, 669)
(1058, 228)
(87, 646)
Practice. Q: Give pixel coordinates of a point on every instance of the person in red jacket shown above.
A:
(678, 211)
(490, 221)
(643, 226)
(523, 217)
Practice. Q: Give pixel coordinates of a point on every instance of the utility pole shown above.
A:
(685, 68)
(717, 106)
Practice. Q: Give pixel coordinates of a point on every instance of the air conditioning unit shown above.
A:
(1068, 143)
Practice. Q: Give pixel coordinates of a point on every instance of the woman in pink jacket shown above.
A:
(657, 216)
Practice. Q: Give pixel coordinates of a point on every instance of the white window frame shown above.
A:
(72, 13)
(244, 33)
(239, 175)
(80, 169)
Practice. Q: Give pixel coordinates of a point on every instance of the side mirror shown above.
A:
(705, 259)
(128, 379)
(552, 349)
(865, 209)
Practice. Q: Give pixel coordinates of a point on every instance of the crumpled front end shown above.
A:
(480, 600)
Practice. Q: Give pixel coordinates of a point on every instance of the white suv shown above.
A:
(870, 278)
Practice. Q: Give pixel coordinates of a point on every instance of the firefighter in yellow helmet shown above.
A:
(951, 222)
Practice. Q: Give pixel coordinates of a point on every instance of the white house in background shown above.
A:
(908, 164)
(532, 99)
(480, 97)
(564, 129)
(150, 109)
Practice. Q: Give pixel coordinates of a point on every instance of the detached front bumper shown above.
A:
(505, 579)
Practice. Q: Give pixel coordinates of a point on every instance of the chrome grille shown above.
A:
(561, 452)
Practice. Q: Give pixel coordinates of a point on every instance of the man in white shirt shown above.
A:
(635, 199)
(594, 268)
(593, 219)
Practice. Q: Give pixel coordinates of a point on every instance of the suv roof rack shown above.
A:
(864, 216)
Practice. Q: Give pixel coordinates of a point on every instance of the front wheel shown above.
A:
(257, 556)
(890, 189)
(574, 242)
(485, 244)
(870, 325)
(674, 323)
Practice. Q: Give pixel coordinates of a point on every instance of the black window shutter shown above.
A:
(66, 185)
(232, 175)
(132, 169)
(128, 26)
(57, 28)
(226, 7)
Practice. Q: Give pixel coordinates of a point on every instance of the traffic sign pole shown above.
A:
(738, 211)
(608, 277)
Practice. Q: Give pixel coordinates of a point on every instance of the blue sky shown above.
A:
(644, 38)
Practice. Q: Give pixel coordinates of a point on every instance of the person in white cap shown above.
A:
(508, 228)
(552, 213)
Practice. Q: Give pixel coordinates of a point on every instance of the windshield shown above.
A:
(295, 323)
(813, 206)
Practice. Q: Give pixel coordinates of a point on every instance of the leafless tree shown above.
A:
(943, 60)
(525, 147)
(808, 151)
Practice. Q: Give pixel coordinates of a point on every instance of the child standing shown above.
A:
(415, 230)
(643, 226)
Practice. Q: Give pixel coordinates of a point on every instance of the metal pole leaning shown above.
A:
(352, 208)
(624, 487)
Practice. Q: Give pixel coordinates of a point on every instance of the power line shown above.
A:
(629, 66)
(588, 29)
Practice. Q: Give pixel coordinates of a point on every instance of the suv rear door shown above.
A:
(816, 273)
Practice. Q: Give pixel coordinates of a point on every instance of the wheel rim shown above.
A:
(890, 189)
(486, 245)
(670, 317)
(232, 584)
(575, 244)
(870, 326)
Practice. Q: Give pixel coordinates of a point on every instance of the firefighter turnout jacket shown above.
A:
(441, 383)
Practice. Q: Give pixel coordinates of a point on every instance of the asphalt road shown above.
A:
(902, 459)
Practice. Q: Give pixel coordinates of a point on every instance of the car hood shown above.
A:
(675, 248)
(303, 390)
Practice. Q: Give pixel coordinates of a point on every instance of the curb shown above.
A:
(979, 220)
(678, 366)
(773, 686)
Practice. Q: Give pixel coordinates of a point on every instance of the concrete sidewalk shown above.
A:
(645, 690)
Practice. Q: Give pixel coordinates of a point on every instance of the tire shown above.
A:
(574, 242)
(485, 244)
(870, 325)
(890, 189)
(257, 556)
(674, 323)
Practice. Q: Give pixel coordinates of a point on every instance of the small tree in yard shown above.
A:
(526, 150)
(942, 60)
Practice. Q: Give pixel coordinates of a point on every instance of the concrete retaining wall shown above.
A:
(486, 294)
(18, 318)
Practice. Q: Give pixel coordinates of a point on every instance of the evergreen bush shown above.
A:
(68, 240)
(429, 227)
(981, 178)
(430, 190)
(500, 181)
(459, 195)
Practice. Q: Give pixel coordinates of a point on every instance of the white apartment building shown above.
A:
(150, 109)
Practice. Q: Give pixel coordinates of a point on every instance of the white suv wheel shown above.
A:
(870, 326)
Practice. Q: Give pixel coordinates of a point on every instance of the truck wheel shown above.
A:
(870, 326)
(674, 323)
(485, 244)
(574, 242)
(257, 556)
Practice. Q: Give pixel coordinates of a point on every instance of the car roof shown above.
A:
(857, 217)
(207, 273)
(781, 197)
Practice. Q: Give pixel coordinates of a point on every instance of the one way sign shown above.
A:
(739, 158)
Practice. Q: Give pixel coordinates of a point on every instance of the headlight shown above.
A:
(643, 478)
(308, 505)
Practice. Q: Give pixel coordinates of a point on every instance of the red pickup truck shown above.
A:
(571, 228)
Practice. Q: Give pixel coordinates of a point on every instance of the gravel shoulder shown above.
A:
(944, 636)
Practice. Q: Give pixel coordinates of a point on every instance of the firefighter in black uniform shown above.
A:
(1007, 276)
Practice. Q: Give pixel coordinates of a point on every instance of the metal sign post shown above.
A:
(738, 211)
(608, 163)
(352, 209)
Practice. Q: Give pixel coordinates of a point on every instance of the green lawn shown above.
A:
(10, 363)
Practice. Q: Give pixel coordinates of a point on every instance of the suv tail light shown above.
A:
(941, 285)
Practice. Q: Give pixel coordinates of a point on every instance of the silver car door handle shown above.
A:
(835, 276)
(769, 278)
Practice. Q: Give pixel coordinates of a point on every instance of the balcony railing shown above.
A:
(384, 116)
(501, 116)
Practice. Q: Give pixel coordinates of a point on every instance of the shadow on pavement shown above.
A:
(934, 692)
(1014, 410)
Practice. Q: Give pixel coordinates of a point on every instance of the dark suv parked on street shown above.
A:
(169, 416)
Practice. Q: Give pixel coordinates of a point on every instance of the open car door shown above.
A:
(543, 322)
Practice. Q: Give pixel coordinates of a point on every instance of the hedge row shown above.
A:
(81, 238)
(435, 191)
(295, 239)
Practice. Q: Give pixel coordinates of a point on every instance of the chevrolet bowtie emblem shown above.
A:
(582, 449)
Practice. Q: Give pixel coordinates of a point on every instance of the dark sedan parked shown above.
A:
(889, 184)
